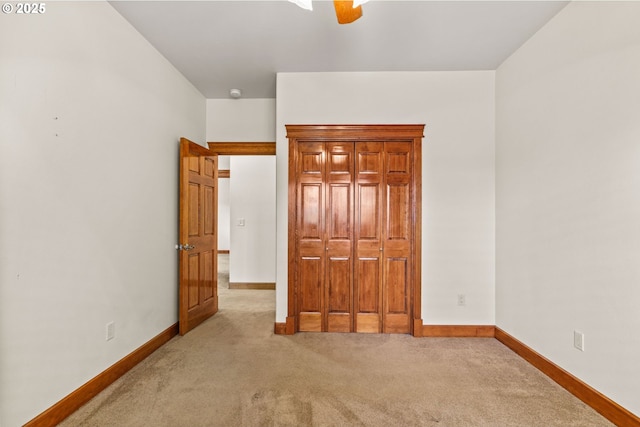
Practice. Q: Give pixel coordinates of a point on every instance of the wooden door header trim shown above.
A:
(196, 148)
(243, 148)
(355, 132)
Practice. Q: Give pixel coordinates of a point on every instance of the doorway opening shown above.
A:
(246, 225)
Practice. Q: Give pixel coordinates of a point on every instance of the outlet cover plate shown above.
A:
(111, 331)
(578, 340)
(462, 300)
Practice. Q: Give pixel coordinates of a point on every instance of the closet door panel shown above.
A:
(369, 305)
(398, 196)
(396, 295)
(310, 159)
(311, 226)
(311, 255)
(397, 238)
(339, 215)
(369, 212)
(339, 236)
(369, 276)
(339, 258)
(368, 236)
(339, 294)
(396, 277)
(310, 296)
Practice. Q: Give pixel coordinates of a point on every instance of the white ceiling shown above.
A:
(219, 45)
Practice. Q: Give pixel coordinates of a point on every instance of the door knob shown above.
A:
(186, 247)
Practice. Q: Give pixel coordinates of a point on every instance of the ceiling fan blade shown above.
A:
(345, 11)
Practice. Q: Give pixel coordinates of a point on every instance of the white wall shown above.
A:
(241, 120)
(224, 211)
(253, 199)
(90, 115)
(458, 172)
(252, 247)
(568, 195)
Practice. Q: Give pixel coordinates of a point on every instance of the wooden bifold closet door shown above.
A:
(354, 226)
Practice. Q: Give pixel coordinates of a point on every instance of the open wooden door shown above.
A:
(198, 244)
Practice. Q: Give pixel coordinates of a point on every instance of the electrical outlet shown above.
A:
(578, 340)
(462, 300)
(111, 331)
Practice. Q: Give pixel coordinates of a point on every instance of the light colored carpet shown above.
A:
(233, 371)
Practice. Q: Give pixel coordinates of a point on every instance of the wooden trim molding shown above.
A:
(71, 403)
(291, 236)
(417, 328)
(596, 400)
(292, 325)
(252, 285)
(243, 148)
(459, 331)
(418, 133)
(287, 328)
(355, 132)
(224, 173)
(433, 331)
